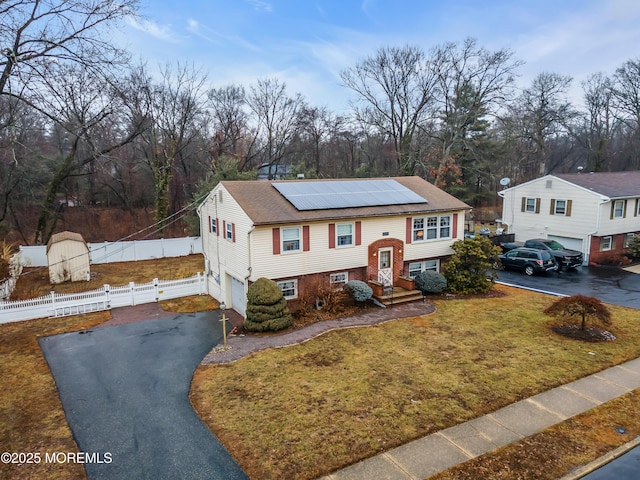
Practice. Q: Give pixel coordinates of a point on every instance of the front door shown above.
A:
(385, 266)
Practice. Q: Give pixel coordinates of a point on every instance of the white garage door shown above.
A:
(238, 298)
(568, 242)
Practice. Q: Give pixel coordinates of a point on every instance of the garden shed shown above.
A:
(68, 258)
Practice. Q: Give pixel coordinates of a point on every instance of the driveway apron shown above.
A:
(124, 390)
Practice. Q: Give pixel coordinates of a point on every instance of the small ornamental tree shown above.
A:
(469, 269)
(430, 282)
(581, 307)
(360, 291)
(634, 246)
(266, 307)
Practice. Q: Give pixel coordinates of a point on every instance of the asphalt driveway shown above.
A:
(124, 390)
(609, 284)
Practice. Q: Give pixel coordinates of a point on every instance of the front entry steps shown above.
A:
(398, 295)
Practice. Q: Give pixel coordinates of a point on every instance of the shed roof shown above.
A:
(264, 205)
(62, 236)
(610, 184)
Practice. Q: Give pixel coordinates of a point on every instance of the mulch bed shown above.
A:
(590, 334)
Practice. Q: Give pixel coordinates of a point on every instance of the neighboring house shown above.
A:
(596, 213)
(68, 258)
(302, 232)
(274, 171)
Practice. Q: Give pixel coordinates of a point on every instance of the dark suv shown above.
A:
(529, 260)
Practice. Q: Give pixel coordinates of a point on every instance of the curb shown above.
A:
(596, 464)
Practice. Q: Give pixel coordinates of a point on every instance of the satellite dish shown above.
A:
(505, 181)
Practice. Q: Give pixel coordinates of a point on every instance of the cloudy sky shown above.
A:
(306, 43)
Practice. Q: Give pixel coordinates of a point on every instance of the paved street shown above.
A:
(125, 389)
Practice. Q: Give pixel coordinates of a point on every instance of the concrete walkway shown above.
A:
(440, 451)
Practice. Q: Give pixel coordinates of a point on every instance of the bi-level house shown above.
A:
(595, 213)
(299, 232)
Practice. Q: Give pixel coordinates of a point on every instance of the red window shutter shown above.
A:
(305, 238)
(409, 229)
(224, 228)
(454, 234)
(275, 233)
(209, 223)
(233, 232)
(358, 233)
(217, 227)
(332, 235)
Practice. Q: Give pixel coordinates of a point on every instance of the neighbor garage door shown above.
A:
(238, 298)
(568, 242)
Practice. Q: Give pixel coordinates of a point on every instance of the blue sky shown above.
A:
(306, 43)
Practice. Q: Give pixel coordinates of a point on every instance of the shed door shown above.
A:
(238, 298)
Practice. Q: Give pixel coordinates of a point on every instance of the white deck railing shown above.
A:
(105, 298)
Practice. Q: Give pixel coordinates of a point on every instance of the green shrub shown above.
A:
(430, 282)
(634, 247)
(469, 269)
(266, 307)
(360, 291)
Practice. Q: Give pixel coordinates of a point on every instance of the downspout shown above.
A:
(249, 268)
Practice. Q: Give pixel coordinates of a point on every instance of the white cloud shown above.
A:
(152, 28)
(261, 6)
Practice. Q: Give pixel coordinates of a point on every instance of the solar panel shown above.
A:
(346, 194)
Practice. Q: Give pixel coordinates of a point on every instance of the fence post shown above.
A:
(132, 287)
(53, 302)
(107, 295)
(155, 287)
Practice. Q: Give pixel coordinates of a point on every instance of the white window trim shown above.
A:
(332, 277)
(628, 238)
(526, 205)
(295, 288)
(615, 215)
(423, 266)
(438, 226)
(353, 232)
(602, 243)
(282, 240)
(228, 234)
(555, 208)
(214, 226)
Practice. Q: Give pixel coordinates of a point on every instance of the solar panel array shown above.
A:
(346, 194)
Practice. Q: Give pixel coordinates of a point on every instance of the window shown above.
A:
(628, 239)
(214, 226)
(291, 239)
(431, 228)
(605, 243)
(418, 267)
(561, 207)
(618, 209)
(339, 278)
(229, 231)
(344, 232)
(530, 205)
(289, 288)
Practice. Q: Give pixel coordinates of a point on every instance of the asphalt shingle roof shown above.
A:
(610, 184)
(265, 205)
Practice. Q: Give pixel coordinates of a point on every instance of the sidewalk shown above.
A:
(442, 450)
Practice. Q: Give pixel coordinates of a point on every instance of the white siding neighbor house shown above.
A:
(68, 258)
(302, 233)
(595, 213)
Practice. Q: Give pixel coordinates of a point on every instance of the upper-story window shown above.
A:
(530, 205)
(618, 209)
(430, 228)
(214, 226)
(229, 231)
(344, 234)
(560, 207)
(291, 239)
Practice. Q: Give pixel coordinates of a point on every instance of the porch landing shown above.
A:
(395, 295)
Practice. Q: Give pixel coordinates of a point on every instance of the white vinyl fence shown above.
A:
(131, 251)
(60, 305)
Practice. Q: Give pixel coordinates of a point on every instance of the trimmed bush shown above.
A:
(360, 291)
(430, 282)
(469, 269)
(266, 307)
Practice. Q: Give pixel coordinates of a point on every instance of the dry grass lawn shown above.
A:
(34, 282)
(304, 411)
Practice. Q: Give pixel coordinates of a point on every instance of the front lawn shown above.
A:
(304, 411)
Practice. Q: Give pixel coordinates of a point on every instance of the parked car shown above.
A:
(529, 260)
(565, 257)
